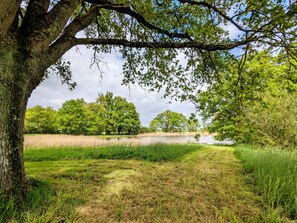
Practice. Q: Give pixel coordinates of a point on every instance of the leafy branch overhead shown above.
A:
(195, 29)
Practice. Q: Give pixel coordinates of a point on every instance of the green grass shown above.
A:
(154, 153)
(275, 175)
(156, 183)
(13, 208)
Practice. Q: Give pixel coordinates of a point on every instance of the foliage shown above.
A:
(144, 129)
(40, 120)
(34, 35)
(72, 117)
(109, 115)
(275, 120)
(193, 123)
(169, 121)
(197, 137)
(275, 175)
(119, 116)
(246, 106)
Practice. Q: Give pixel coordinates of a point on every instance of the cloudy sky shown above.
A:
(148, 104)
(89, 84)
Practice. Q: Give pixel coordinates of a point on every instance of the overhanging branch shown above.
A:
(217, 10)
(121, 8)
(172, 45)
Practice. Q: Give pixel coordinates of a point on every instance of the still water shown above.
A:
(145, 140)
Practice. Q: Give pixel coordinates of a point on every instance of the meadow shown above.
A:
(149, 183)
(274, 175)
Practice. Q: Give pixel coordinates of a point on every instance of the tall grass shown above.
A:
(275, 174)
(154, 153)
(12, 207)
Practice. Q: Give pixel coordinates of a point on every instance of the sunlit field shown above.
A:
(152, 183)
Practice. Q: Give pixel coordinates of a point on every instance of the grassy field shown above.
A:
(274, 173)
(157, 183)
(48, 141)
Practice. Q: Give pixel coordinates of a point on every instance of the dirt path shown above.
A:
(205, 186)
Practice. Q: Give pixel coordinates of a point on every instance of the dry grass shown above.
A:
(40, 141)
(45, 141)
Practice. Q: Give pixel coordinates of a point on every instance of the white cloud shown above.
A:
(52, 93)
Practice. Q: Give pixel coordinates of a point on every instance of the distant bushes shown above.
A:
(108, 115)
(275, 174)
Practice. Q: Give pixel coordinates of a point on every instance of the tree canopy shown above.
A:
(169, 121)
(151, 46)
(40, 120)
(256, 106)
(108, 115)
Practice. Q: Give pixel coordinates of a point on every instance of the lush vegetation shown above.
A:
(256, 104)
(192, 184)
(169, 121)
(109, 115)
(274, 173)
(158, 152)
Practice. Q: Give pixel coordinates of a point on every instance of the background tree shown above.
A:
(118, 115)
(41, 120)
(169, 121)
(73, 117)
(95, 121)
(253, 106)
(35, 34)
(193, 123)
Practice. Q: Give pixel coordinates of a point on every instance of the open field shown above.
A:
(42, 140)
(121, 184)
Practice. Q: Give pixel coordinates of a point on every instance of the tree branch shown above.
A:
(128, 11)
(176, 45)
(35, 9)
(8, 11)
(41, 32)
(218, 11)
(81, 22)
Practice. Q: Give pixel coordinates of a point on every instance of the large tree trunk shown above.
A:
(14, 93)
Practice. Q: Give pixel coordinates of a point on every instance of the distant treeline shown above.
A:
(107, 115)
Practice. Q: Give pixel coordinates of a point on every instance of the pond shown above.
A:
(176, 139)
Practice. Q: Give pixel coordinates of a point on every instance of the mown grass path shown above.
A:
(206, 185)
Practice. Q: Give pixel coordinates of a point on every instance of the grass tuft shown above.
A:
(275, 175)
(12, 208)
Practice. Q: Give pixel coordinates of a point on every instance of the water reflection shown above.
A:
(146, 140)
